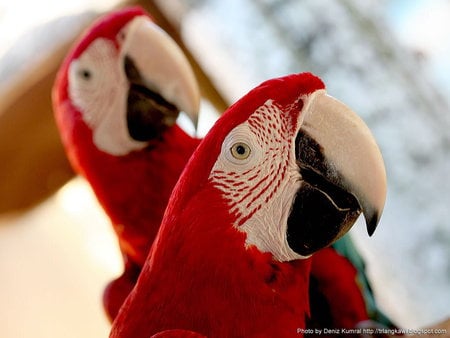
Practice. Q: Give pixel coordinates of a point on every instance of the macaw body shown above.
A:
(170, 154)
(259, 196)
(346, 248)
(341, 295)
(325, 285)
(200, 291)
(142, 181)
(116, 99)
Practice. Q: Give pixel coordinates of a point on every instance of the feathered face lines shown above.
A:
(96, 81)
(259, 151)
(256, 169)
(98, 88)
(97, 85)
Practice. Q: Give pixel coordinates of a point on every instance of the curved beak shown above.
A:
(160, 76)
(342, 171)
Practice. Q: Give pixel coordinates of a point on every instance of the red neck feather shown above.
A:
(200, 277)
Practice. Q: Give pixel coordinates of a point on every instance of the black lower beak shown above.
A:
(148, 113)
(323, 210)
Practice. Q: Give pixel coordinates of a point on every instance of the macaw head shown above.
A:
(126, 81)
(294, 166)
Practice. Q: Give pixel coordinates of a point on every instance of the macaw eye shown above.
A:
(240, 151)
(85, 74)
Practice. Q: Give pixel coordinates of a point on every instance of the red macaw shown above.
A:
(284, 172)
(135, 132)
(116, 98)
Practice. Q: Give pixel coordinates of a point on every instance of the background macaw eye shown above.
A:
(85, 74)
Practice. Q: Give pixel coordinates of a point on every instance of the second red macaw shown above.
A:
(116, 99)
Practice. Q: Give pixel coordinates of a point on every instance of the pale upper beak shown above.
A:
(350, 148)
(160, 66)
(342, 173)
(351, 152)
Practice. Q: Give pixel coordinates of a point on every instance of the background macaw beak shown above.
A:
(162, 82)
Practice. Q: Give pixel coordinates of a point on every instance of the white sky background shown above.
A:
(19, 16)
(423, 25)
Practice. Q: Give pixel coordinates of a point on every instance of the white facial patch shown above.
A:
(98, 88)
(258, 176)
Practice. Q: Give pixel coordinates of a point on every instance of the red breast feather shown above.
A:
(208, 282)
